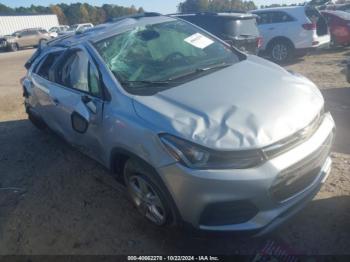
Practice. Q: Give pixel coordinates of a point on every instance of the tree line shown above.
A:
(75, 13)
(86, 13)
(189, 6)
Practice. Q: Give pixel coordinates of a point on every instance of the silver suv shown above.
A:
(201, 133)
(25, 38)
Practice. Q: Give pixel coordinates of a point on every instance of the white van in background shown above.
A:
(56, 30)
(77, 28)
(290, 31)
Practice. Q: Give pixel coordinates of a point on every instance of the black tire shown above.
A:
(281, 51)
(14, 47)
(333, 43)
(348, 73)
(136, 173)
(37, 122)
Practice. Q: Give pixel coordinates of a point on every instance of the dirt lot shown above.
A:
(54, 200)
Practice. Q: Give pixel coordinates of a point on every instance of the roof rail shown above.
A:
(135, 16)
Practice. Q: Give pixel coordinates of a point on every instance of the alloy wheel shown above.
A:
(279, 52)
(14, 47)
(147, 200)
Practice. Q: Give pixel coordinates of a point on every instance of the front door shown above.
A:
(79, 102)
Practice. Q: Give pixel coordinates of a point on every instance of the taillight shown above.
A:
(259, 42)
(309, 26)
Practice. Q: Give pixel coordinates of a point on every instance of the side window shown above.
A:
(281, 17)
(24, 33)
(74, 72)
(264, 18)
(45, 65)
(79, 73)
(28, 33)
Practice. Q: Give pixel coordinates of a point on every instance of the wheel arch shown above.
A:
(119, 157)
(279, 38)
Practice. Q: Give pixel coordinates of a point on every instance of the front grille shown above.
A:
(228, 213)
(301, 175)
(295, 139)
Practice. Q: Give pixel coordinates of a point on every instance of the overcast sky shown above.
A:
(162, 6)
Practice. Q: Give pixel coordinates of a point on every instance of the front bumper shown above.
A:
(195, 190)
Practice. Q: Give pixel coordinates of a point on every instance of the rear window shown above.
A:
(245, 27)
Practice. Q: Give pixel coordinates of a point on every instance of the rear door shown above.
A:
(266, 27)
(79, 101)
(277, 23)
(42, 87)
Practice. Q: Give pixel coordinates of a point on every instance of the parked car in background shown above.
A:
(77, 28)
(339, 26)
(291, 31)
(336, 7)
(56, 30)
(237, 29)
(200, 132)
(25, 38)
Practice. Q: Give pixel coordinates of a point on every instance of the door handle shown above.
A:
(56, 101)
(271, 28)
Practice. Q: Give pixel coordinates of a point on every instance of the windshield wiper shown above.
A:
(147, 83)
(247, 35)
(172, 80)
(214, 66)
(200, 70)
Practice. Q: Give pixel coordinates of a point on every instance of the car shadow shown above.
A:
(338, 103)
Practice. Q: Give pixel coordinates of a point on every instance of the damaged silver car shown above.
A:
(201, 134)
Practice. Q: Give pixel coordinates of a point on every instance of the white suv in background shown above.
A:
(77, 28)
(290, 31)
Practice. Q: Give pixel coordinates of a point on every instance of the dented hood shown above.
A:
(251, 104)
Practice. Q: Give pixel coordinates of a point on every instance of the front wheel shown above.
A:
(146, 193)
(281, 51)
(14, 47)
(348, 73)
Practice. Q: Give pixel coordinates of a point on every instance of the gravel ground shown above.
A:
(54, 200)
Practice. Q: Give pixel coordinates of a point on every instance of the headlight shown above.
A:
(198, 157)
